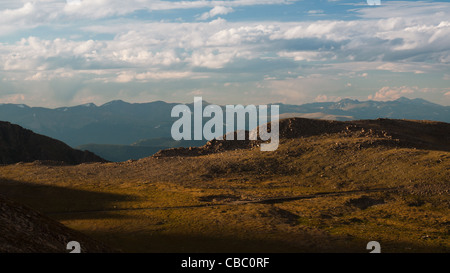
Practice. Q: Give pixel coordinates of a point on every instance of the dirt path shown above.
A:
(235, 203)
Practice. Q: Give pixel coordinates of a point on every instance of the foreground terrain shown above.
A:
(330, 187)
(24, 230)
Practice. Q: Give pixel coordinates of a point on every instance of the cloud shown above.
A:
(319, 11)
(50, 75)
(211, 59)
(392, 93)
(100, 41)
(33, 53)
(19, 15)
(416, 68)
(239, 36)
(326, 98)
(299, 89)
(102, 9)
(219, 10)
(129, 76)
(416, 11)
(13, 98)
(397, 48)
(308, 55)
(10, 15)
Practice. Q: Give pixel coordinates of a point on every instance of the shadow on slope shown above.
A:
(24, 230)
(59, 200)
(142, 242)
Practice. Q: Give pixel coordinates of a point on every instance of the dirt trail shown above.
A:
(235, 203)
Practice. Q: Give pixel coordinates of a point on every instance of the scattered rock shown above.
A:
(364, 202)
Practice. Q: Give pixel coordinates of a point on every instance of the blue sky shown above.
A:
(60, 53)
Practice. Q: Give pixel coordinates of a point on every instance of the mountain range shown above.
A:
(113, 129)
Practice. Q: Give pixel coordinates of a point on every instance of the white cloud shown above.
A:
(217, 43)
(392, 93)
(328, 30)
(208, 58)
(415, 11)
(27, 14)
(13, 98)
(326, 98)
(10, 15)
(319, 11)
(405, 67)
(130, 76)
(49, 75)
(102, 8)
(240, 35)
(219, 10)
(308, 55)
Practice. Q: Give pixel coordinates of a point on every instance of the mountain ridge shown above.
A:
(432, 135)
(123, 123)
(21, 145)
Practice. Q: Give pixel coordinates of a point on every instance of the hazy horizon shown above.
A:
(204, 101)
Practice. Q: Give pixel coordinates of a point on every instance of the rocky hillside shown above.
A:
(402, 133)
(23, 230)
(21, 145)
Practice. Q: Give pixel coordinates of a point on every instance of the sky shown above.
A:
(58, 53)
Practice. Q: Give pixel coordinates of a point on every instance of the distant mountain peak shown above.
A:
(404, 99)
(90, 104)
(415, 101)
(348, 100)
(115, 102)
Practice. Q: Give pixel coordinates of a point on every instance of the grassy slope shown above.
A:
(202, 204)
